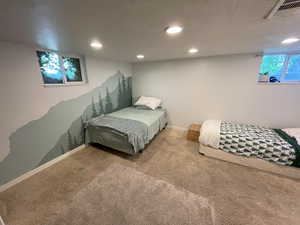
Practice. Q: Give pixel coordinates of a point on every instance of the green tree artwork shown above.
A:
(70, 141)
(94, 110)
(120, 94)
(108, 105)
(101, 107)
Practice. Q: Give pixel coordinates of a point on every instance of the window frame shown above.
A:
(285, 67)
(65, 82)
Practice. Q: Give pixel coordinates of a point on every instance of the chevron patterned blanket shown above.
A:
(251, 141)
(255, 141)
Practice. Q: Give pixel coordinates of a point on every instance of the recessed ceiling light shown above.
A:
(289, 40)
(173, 30)
(193, 50)
(96, 44)
(140, 56)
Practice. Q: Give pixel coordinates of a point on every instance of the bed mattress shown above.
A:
(128, 130)
(248, 140)
(154, 119)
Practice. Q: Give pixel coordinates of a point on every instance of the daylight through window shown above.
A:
(57, 69)
(280, 68)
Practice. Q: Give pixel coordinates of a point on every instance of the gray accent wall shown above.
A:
(53, 123)
(221, 87)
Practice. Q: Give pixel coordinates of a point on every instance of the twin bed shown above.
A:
(272, 150)
(128, 130)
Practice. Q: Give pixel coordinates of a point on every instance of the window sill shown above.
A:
(64, 85)
(278, 83)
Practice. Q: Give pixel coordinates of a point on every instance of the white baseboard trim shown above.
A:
(1, 221)
(39, 169)
(177, 128)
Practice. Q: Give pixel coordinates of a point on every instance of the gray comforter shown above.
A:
(136, 131)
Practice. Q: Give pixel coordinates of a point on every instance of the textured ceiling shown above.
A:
(129, 27)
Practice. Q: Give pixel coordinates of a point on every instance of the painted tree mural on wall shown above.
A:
(70, 141)
(120, 92)
(108, 103)
(76, 138)
(63, 127)
(113, 100)
(124, 94)
(94, 110)
(100, 102)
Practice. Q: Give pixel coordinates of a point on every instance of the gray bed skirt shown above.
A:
(110, 138)
(128, 130)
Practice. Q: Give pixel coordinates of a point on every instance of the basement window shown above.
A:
(60, 69)
(280, 68)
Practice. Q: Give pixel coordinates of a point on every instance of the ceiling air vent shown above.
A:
(283, 5)
(289, 4)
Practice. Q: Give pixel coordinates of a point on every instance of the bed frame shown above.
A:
(287, 171)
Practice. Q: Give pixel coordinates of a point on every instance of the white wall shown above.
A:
(23, 98)
(223, 87)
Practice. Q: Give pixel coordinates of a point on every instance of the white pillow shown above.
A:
(150, 102)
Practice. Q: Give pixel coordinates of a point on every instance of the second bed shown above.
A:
(272, 150)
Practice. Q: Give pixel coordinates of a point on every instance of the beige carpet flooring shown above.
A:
(145, 197)
(237, 195)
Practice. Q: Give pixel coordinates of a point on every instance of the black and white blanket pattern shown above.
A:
(255, 141)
